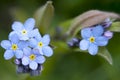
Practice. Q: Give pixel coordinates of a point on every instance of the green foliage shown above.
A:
(66, 63)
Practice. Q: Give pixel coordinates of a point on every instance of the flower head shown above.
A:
(28, 46)
(26, 30)
(32, 58)
(13, 47)
(92, 38)
(42, 44)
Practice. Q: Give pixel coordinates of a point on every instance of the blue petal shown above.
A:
(84, 44)
(38, 37)
(98, 30)
(40, 50)
(12, 33)
(27, 51)
(33, 65)
(47, 51)
(93, 49)
(40, 59)
(86, 33)
(19, 54)
(14, 38)
(17, 26)
(34, 33)
(6, 44)
(32, 43)
(23, 37)
(36, 51)
(101, 41)
(22, 44)
(29, 24)
(46, 39)
(25, 60)
(8, 54)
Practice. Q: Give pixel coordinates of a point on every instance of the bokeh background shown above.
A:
(65, 64)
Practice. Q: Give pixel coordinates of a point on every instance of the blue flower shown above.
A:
(26, 30)
(13, 47)
(32, 58)
(42, 44)
(92, 38)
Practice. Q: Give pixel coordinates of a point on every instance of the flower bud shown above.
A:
(108, 34)
(17, 62)
(107, 23)
(73, 42)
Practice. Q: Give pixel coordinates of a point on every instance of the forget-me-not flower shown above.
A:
(92, 38)
(32, 58)
(13, 47)
(42, 44)
(29, 48)
(26, 30)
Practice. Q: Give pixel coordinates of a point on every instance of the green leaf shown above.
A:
(44, 16)
(103, 52)
(115, 27)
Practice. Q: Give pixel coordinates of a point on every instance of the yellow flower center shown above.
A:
(14, 47)
(92, 39)
(32, 57)
(24, 32)
(40, 44)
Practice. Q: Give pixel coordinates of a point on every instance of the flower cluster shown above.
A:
(93, 37)
(27, 46)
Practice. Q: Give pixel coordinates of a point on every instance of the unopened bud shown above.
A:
(108, 34)
(73, 42)
(17, 62)
(107, 23)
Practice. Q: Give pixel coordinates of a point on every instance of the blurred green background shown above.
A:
(65, 64)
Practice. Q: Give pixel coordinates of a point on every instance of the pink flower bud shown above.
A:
(108, 34)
